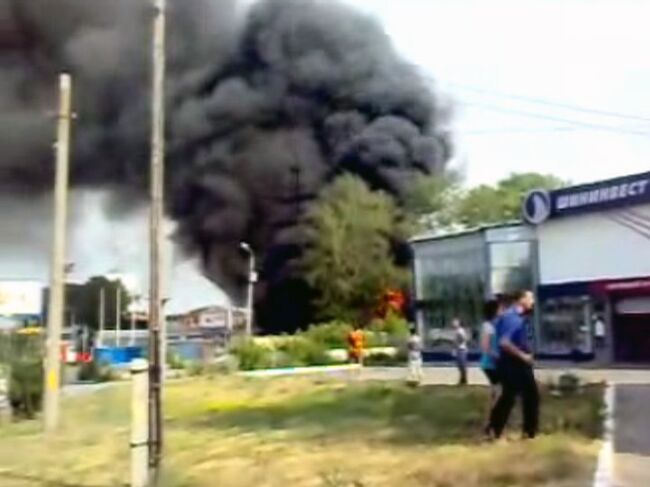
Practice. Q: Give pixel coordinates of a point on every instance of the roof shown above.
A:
(428, 237)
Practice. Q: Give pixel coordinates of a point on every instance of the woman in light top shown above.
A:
(492, 309)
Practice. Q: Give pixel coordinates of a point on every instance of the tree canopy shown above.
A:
(350, 259)
(441, 202)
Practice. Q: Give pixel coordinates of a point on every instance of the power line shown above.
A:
(550, 103)
(552, 118)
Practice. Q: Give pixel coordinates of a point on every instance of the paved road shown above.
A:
(632, 436)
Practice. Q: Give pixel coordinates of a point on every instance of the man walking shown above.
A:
(515, 367)
(460, 350)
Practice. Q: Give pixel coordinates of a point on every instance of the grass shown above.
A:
(240, 432)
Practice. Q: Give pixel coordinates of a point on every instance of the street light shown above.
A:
(252, 278)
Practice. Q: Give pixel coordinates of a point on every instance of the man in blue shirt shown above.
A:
(515, 368)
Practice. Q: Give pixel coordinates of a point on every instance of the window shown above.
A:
(565, 325)
(510, 254)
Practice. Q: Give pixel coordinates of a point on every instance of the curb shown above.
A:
(298, 370)
(604, 475)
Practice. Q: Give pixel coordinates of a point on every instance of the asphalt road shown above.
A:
(632, 436)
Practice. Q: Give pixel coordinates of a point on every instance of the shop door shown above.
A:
(632, 331)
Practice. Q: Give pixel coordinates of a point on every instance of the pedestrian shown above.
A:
(414, 347)
(492, 309)
(599, 332)
(460, 350)
(356, 344)
(515, 368)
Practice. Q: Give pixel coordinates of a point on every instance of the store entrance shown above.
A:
(632, 331)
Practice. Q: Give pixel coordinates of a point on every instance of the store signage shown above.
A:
(540, 205)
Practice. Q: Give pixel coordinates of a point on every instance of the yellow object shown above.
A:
(52, 380)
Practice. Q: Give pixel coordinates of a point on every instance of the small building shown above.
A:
(455, 273)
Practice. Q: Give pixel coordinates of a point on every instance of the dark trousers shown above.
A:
(461, 362)
(517, 379)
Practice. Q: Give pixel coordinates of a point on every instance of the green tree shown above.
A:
(83, 301)
(486, 204)
(432, 199)
(349, 260)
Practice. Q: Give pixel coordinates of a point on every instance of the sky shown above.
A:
(553, 86)
(491, 58)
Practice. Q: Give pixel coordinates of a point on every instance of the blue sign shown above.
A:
(537, 206)
(540, 205)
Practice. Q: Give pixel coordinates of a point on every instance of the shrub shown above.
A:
(568, 383)
(330, 335)
(251, 356)
(303, 351)
(26, 387)
(386, 359)
(23, 353)
(95, 372)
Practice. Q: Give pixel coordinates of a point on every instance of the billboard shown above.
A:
(20, 298)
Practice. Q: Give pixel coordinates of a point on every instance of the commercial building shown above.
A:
(594, 268)
(455, 273)
(585, 250)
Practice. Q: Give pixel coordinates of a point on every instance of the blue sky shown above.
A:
(487, 56)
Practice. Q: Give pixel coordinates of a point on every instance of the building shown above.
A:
(455, 273)
(594, 268)
(584, 249)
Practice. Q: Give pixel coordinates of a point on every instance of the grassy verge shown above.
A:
(304, 431)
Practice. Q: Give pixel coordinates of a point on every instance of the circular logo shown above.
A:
(537, 206)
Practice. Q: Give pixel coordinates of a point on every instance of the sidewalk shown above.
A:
(632, 436)
(449, 375)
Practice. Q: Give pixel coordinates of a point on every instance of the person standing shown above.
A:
(492, 309)
(599, 332)
(414, 347)
(356, 344)
(515, 368)
(460, 350)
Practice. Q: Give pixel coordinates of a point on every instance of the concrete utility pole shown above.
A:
(57, 271)
(118, 313)
(139, 423)
(156, 317)
(250, 294)
(102, 316)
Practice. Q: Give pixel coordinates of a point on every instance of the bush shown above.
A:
(251, 356)
(24, 356)
(302, 351)
(330, 335)
(26, 387)
(568, 383)
(95, 372)
(386, 359)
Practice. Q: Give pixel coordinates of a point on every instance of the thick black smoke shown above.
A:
(265, 109)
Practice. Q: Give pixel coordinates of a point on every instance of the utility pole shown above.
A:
(250, 294)
(118, 313)
(57, 271)
(156, 318)
(102, 316)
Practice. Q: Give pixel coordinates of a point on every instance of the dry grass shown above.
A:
(285, 432)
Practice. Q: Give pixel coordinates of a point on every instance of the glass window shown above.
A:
(510, 254)
(506, 280)
(565, 325)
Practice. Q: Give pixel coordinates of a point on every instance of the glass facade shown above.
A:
(511, 266)
(565, 325)
(455, 275)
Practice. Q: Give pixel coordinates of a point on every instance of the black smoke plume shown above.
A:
(266, 106)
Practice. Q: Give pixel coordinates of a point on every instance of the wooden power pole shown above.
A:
(56, 304)
(156, 262)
